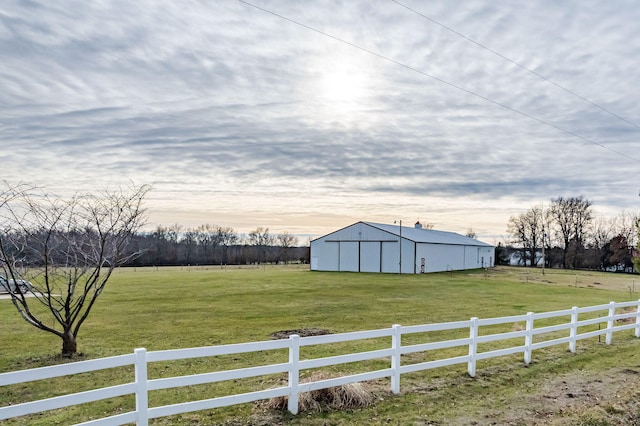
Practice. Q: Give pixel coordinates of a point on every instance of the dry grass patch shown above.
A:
(629, 320)
(349, 396)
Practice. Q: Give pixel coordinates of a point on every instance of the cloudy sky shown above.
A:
(308, 116)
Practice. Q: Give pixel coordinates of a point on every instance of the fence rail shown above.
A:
(142, 386)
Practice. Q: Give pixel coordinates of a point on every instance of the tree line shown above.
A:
(214, 245)
(568, 234)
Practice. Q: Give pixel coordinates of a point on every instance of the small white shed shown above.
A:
(376, 247)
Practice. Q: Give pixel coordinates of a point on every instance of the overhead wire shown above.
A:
(441, 80)
(547, 79)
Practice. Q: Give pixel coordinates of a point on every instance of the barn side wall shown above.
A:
(444, 257)
(440, 257)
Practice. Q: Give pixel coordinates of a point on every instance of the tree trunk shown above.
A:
(69, 344)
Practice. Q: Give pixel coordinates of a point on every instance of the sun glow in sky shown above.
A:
(240, 118)
(343, 88)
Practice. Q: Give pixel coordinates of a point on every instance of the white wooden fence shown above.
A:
(141, 386)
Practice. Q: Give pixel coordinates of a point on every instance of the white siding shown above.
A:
(370, 256)
(489, 256)
(471, 257)
(408, 259)
(440, 257)
(479, 257)
(327, 255)
(390, 257)
(349, 255)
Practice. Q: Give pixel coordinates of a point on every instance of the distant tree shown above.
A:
(161, 245)
(189, 244)
(470, 233)
(173, 235)
(571, 218)
(227, 238)
(285, 242)
(502, 257)
(636, 255)
(625, 225)
(67, 249)
(208, 239)
(527, 231)
(617, 253)
(602, 231)
(262, 241)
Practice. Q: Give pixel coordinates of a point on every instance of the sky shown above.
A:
(306, 117)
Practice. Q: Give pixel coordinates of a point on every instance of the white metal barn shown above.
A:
(375, 247)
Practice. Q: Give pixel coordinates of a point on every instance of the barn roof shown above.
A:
(420, 235)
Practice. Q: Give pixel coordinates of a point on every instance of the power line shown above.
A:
(455, 86)
(547, 79)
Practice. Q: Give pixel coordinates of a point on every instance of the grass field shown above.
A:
(170, 308)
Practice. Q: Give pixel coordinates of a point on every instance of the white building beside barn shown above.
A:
(375, 247)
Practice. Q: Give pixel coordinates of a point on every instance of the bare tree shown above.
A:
(625, 225)
(160, 249)
(189, 244)
(571, 218)
(527, 230)
(209, 240)
(227, 237)
(67, 249)
(262, 240)
(172, 236)
(286, 241)
(636, 257)
(602, 231)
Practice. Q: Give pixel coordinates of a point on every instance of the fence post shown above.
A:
(638, 321)
(473, 347)
(396, 344)
(142, 396)
(294, 372)
(528, 338)
(612, 312)
(573, 331)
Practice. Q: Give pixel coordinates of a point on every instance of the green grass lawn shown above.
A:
(171, 308)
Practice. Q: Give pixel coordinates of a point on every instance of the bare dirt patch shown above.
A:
(302, 332)
(611, 398)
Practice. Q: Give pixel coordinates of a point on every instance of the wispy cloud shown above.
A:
(237, 113)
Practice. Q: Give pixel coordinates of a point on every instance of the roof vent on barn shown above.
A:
(418, 225)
